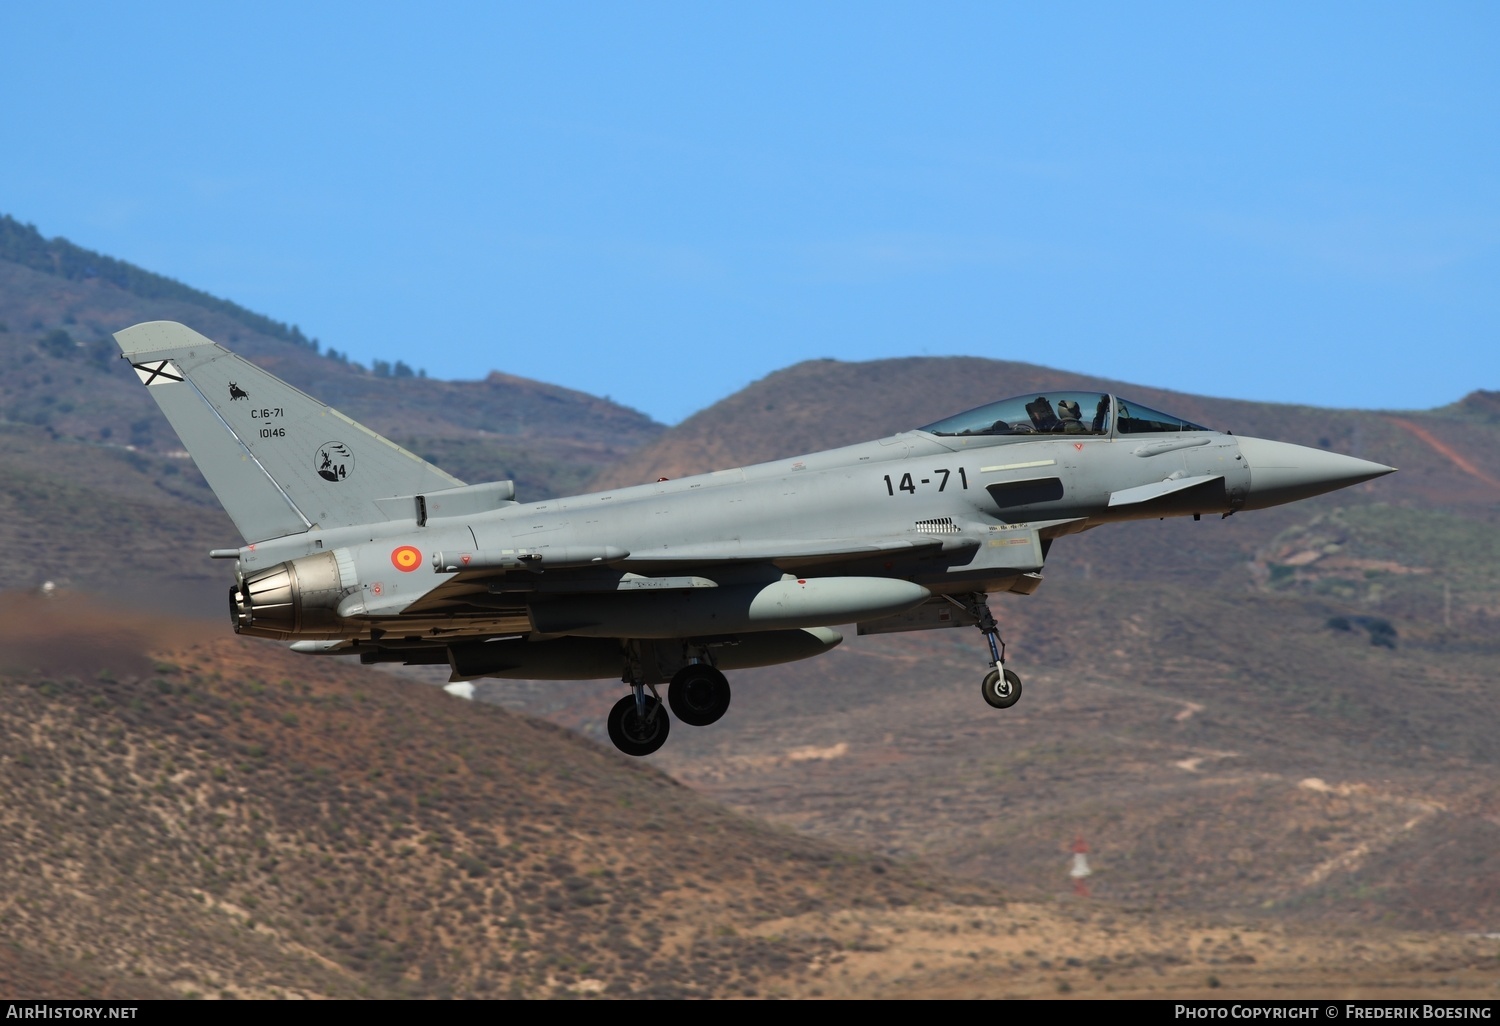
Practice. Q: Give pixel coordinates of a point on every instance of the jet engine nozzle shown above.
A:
(293, 599)
(1281, 472)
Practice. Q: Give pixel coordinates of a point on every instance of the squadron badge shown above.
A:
(334, 461)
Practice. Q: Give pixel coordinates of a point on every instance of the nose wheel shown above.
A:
(1002, 692)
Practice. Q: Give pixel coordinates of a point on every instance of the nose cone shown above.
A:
(1282, 472)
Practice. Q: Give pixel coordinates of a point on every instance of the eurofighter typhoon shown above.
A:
(355, 546)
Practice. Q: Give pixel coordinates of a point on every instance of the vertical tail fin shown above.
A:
(279, 461)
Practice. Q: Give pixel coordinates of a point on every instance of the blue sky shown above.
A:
(663, 202)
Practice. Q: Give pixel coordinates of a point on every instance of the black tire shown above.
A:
(631, 734)
(699, 695)
(1002, 696)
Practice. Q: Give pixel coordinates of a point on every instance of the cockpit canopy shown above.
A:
(1061, 413)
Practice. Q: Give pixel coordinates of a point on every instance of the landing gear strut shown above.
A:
(1001, 687)
(699, 695)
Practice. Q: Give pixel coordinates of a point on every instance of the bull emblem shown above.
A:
(236, 392)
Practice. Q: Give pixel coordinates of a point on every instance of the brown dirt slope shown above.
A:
(222, 817)
(192, 815)
(1227, 753)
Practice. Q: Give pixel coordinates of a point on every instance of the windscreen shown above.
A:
(1135, 419)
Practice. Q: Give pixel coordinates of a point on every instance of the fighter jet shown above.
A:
(352, 545)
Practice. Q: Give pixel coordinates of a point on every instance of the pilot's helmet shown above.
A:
(1067, 409)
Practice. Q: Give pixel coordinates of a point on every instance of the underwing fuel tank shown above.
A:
(298, 598)
(790, 602)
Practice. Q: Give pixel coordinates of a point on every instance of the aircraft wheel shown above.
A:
(698, 694)
(635, 736)
(1002, 696)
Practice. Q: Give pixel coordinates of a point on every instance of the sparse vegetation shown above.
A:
(160, 789)
(23, 244)
(1229, 751)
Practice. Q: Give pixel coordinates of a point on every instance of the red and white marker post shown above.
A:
(1080, 871)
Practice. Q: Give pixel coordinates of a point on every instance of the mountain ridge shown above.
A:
(784, 414)
(23, 244)
(1213, 704)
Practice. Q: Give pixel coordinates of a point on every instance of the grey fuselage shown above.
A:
(950, 515)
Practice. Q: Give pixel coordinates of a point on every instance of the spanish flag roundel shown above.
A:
(406, 559)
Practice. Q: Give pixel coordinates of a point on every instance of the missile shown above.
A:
(548, 558)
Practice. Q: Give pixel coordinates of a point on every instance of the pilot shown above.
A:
(1071, 417)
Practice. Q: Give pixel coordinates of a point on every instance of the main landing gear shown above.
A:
(638, 723)
(1001, 687)
(698, 694)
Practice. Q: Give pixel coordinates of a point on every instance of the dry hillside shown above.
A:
(189, 814)
(1276, 733)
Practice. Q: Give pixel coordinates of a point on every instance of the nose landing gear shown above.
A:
(1001, 687)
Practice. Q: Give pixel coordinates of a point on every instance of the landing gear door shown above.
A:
(933, 614)
(1006, 547)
